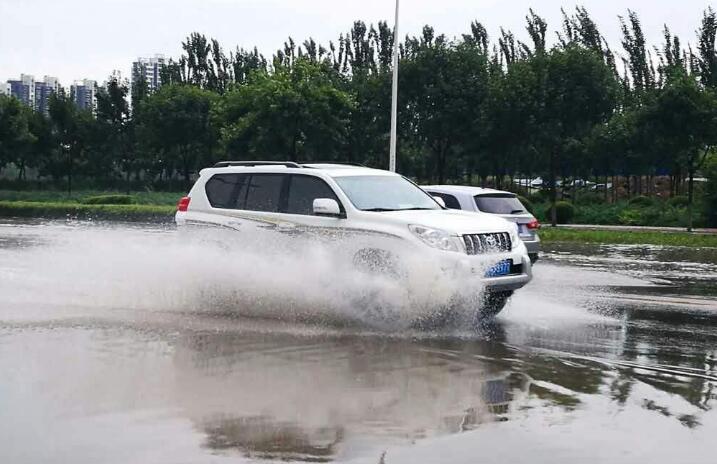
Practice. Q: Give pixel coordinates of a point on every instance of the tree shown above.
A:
(16, 139)
(710, 204)
(174, 124)
(70, 132)
(682, 120)
(575, 91)
(296, 112)
(444, 89)
(41, 146)
(707, 54)
(113, 120)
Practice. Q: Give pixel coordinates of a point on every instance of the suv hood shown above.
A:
(454, 221)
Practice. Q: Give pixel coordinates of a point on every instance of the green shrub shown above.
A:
(630, 217)
(527, 203)
(564, 212)
(590, 199)
(541, 196)
(110, 200)
(641, 201)
(602, 213)
(81, 211)
(680, 201)
(565, 234)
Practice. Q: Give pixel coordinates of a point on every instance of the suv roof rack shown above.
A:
(226, 164)
(334, 163)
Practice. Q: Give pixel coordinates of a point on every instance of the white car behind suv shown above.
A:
(498, 202)
(339, 201)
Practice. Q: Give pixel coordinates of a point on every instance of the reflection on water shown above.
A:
(597, 347)
(285, 396)
(265, 438)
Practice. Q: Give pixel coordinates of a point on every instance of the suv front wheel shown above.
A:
(493, 303)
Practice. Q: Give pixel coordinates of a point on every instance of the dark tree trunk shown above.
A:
(69, 173)
(553, 191)
(21, 170)
(442, 163)
(127, 179)
(690, 197)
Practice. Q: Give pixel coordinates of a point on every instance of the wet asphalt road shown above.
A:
(610, 355)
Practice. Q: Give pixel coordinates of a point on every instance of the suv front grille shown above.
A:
(477, 244)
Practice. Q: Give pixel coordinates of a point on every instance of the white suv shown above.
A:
(339, 201)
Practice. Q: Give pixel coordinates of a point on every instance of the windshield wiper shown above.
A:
(516, 211)
(379, 210)
(417, 208)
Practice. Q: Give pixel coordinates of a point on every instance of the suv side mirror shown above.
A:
(440, 201)
(326, 207)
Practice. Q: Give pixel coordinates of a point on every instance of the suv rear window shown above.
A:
(499, 203)
(223, 189)
(303, 190)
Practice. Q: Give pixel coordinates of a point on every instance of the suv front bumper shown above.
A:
(513, 281)
(476, 267)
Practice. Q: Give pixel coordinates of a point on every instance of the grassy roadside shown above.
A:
(549, 234)
(53, 210)
(55, 196)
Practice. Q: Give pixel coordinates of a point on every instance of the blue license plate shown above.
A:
(500, 269)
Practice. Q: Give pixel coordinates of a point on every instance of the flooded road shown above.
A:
(115, 347)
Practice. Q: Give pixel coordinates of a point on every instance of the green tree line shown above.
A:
(471, 109)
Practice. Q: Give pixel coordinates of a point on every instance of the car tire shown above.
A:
(493, 303)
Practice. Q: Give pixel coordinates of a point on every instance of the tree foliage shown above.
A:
(560, 105)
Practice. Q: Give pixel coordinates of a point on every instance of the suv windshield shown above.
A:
(384, 193)
(499, 203)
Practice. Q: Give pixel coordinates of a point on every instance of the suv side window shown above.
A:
(303, 190)
(450, 201)
(264, 193)
(223, 189)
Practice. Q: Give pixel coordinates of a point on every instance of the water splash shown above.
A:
(256, 275)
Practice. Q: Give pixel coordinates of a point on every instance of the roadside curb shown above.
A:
(617, 228)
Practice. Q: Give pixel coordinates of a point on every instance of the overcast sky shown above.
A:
(75, 39)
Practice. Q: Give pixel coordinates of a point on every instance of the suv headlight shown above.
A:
(437, 238)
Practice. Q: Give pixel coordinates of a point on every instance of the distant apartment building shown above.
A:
(5, 88)
(34, 94)
(149, 69)
(84, 94)
(23, 89)
(50, 85)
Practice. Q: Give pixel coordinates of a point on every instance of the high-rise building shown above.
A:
(34, 94)
(5, 88)
(24, 89)
(43, 90)
(83, 93)
(149, 70)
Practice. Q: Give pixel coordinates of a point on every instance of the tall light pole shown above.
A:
(394, 97)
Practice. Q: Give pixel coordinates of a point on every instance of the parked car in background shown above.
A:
(498, 202)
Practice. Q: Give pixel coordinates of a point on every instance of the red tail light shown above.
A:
(534, 224)
(183, 204)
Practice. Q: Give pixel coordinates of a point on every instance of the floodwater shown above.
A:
(125, 343)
